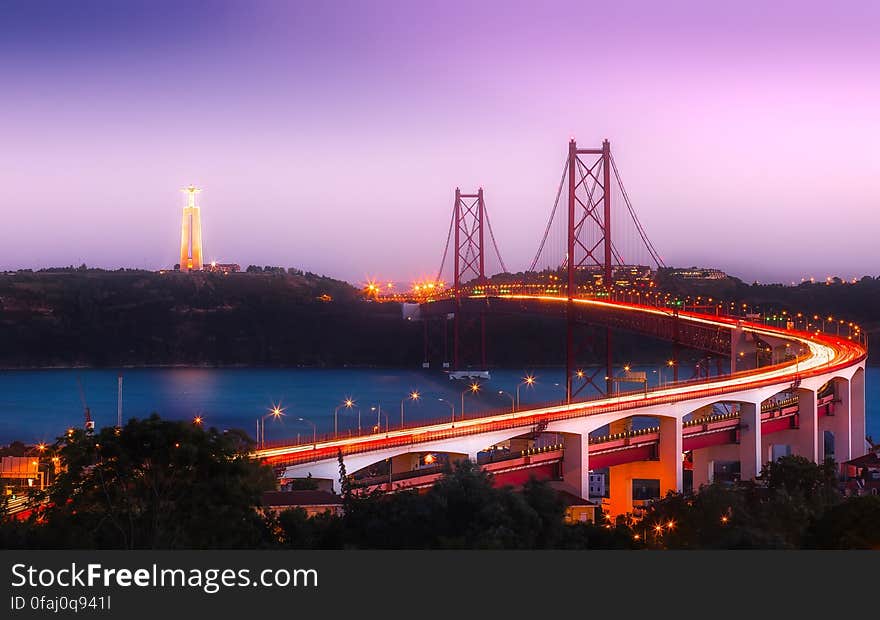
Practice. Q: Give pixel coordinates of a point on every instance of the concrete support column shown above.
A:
(750, 454)
(576, 464)
(672, 478)
(858, 429)
(742, 351)
(807, 443)
(840, 423)
(667, 470)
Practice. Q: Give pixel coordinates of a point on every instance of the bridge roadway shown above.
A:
(825, 358)
(605, 451)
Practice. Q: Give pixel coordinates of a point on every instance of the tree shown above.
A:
(156, 484)
(799, 476)
(852, 524)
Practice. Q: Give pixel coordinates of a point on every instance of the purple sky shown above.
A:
(330, 136)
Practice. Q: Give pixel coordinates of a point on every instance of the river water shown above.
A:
(38, 405)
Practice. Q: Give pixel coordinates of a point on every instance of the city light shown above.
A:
(820, 352)
(197, 420)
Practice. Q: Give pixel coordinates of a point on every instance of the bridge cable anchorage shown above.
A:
(641, 230)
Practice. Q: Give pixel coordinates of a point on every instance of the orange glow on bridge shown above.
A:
(823, 353)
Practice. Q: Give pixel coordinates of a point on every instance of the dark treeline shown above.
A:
(99, 318)
(172, 485)
(857, 301)
(278, 317)
(274, 317)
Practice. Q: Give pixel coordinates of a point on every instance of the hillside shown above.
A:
(112, 318)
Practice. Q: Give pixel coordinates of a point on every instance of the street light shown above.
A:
(528, 380)
(314, 432)
(473, 388)
(413, 396)
(451, 407)
(348, 403)
(378, 410)
(671, 364)
(275, 412)
(512, 403)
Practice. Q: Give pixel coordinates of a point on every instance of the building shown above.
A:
(597, 484)
(697, 273)
(577, 509)
(191, 233)
(216, 267)
(633, 276)
(863, 473)
(313, 502)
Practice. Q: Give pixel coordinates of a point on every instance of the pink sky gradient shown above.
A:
(331, 137)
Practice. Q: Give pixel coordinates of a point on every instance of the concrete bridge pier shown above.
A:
(576, 464)
(751, 457)
(742, 350)
(838, 423)
(858, 445)
(747, 452)
(705, 459)
(667, 469)
(804, 439)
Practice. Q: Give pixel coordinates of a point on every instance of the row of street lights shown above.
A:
(528, 380)
(276, 412)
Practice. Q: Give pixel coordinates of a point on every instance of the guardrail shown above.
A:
(380, 439)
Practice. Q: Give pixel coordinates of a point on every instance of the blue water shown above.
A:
(38, 405)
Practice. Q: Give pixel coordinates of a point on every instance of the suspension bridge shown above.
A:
(788, 386)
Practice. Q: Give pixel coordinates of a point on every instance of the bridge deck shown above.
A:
(824, 354)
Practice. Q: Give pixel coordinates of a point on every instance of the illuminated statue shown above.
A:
(191, 233)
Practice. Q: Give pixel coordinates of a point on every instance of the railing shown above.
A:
(383, 440)
(654, 299)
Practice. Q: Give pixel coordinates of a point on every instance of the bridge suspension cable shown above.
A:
(494, 243)
(552, 215)
(630, 245)
(641, 229)
(446, 247)
(472, 253)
